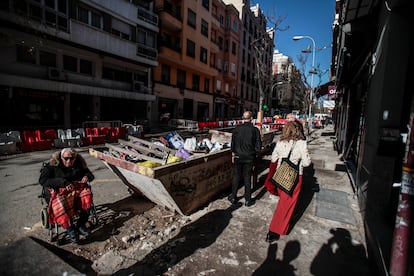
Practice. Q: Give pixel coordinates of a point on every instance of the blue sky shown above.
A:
(304, 17)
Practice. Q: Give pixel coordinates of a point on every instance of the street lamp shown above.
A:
(299, 37)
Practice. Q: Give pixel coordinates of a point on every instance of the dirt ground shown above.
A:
(136, 233)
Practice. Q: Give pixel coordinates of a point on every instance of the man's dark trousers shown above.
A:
(242, 170)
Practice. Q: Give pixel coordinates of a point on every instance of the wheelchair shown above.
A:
(53, 226)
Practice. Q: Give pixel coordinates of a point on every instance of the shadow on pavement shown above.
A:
(273, 266)
(112, 216)
(199, 234)
(79, 263)
(338, 253)
(309, 187)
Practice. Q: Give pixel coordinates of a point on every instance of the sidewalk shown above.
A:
(327, 239)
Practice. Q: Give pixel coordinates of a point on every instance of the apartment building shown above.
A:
(198, 52)
(255, 59)
(372, 70)
(65, 62)
(288, 92)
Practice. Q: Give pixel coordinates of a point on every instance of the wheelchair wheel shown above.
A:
(45, 218)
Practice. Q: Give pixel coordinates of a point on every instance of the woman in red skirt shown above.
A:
(292, 138)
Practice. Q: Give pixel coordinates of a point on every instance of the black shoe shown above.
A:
(249, 203)
(84, 231)
(232, 199)
(271, 237)
(73, 237)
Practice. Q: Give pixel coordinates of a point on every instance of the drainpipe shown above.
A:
(403, 223)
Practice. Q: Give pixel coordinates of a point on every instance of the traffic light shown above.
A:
(265, 107)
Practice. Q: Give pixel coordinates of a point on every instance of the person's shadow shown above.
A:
(309, 187)
(199, 234)
(339, 256)
(273, 266)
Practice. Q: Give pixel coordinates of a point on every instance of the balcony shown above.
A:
(214, 46)
(170, 16)
(97, 39)
(215, 23)
(147, 52)
(170, 52)
(147, 16)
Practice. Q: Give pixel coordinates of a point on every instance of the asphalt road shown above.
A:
(19, 203)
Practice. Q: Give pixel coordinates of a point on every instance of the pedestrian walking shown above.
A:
(291, 140)
(246, 145)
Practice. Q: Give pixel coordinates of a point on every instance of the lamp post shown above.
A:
(299, 37)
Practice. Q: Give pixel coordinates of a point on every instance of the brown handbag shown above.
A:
(286, 175)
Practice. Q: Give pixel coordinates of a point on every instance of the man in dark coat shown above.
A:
(246, 145)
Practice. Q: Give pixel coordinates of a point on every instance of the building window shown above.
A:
(83, 15)
(227, 23)
(85, 67)
(233, 68)
(235, 26)
(51, 12)
(206, 4)
(204, 27)
(226, 67)
(26, 54)
(219, 65)
(181, 76)
(121, 29)
(146, 38)
(190, 48)
(110, 72)
(218, 85)
(203, 55)
(192, 18)
(89, 17)
(233, 48)
(212, 60)
(96, 20)
(207, 85)
(47, 59)
(196, 82)
(166, 72)
(220, 42)
(70, 63)
(221, 19)
(226, 45)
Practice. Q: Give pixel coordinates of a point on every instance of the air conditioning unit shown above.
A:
(138, 86)
(56, 74)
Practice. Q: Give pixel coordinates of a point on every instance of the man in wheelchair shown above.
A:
(65, 181)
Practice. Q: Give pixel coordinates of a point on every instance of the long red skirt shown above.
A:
(281, 218)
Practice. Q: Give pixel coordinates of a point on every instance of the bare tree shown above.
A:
(317, 71)
(261, 46)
